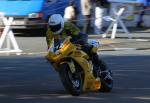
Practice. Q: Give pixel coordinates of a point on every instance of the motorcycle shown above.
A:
(76, 69)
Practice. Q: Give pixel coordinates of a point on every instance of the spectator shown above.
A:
(71, 12)
(1, 31)
(86, 7)
(1, 27)
(100, 9)
(142, 5)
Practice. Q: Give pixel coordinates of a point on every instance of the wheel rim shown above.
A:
(75, 79)
(108, 82)
(75, 83)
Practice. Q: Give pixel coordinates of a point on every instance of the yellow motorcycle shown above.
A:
(76, 69)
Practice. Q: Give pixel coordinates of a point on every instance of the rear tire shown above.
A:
(106, 85)
(71, 81)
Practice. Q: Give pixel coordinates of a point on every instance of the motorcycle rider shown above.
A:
(58, 30)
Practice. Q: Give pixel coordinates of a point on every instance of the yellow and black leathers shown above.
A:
(69, 30)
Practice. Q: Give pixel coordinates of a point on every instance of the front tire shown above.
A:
(71, 81)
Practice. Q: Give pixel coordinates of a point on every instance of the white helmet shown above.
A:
(56, 23)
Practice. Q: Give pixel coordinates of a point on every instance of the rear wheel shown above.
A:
(106, 84)
(71, 81)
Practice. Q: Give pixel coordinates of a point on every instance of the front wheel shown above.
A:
(71, 81)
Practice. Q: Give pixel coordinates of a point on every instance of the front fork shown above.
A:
(71, 65)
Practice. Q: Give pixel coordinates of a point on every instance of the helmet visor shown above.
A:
(55, 28)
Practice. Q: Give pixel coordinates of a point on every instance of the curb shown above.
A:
(123, 49)
(109, 37)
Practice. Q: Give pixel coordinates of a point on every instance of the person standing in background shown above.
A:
(100, 9)
(71, 12)
(86, 7)
(1, 27)
(141, 6)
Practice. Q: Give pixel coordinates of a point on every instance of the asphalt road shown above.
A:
(31, 79)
